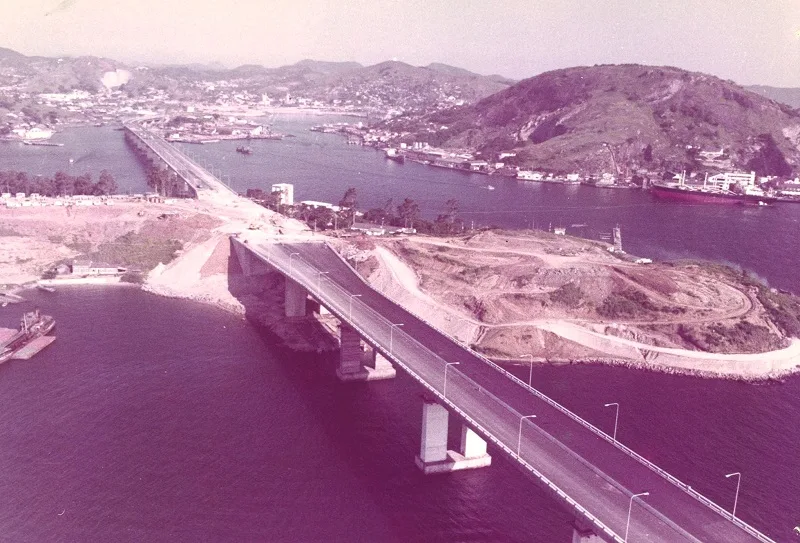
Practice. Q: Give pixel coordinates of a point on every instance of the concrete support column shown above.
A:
(295, 300)
(358, 364)
(472, 445)
(433, 454)
(244, 259)
(433, 446)
(582, 532)
(351, 354)
(381, 365)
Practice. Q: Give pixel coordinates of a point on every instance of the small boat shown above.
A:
(45, 288)
(489, 187)
(243, 149)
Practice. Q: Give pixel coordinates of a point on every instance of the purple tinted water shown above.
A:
(91, 149)
(164, 420)
(155, 419)
(323, 166)
(158, 419)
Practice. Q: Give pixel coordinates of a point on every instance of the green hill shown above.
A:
(622, 118)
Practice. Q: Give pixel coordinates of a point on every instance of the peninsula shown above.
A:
(515, 296)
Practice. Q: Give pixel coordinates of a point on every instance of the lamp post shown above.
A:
(447, 365)
(530, 371)
(630, 506)
(519, 437)
(738, 482)
(391, 335)
(350, 307)
(616, 417)
(319, 281)
(290, 261)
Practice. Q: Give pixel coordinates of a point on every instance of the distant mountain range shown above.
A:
(789, 96)
(384, 85)
(624, 119)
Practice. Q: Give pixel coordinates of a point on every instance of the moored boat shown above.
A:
(33, 325)
(706, 195)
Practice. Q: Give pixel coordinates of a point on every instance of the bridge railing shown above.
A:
(168, 154)
(339, 302)
(358, 307)
(597, 431)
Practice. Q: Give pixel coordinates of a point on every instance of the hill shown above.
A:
(404, 87)
(385, 86)
(621, 119)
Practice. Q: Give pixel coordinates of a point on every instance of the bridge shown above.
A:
(198, 182)
(615, 494)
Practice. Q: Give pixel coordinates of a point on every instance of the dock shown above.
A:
(33, 348)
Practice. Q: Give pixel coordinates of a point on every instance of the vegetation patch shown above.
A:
(628, 303)
(569, 295)
(136, 250)
(742, 337)
(783, 309)
(476, 307)
(657, 282)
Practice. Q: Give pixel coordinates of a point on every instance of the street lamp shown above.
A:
(530, 372)
(319, 281)
(391, 334)
(519, 437)
(447, 365)
(616, 418)
(738, 482)
(350, 308)
(630, 506)
(290, 261)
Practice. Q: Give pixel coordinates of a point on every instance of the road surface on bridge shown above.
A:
(205, 185)
(578, 463)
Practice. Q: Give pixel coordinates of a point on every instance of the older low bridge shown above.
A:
(197, 181)
(615, 494)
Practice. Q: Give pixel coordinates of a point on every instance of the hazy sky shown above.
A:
(749, 41)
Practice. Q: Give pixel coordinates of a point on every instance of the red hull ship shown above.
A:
(703, 195)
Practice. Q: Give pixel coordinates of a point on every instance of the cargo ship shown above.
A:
(29, 339)
(744, 194)
(394, 154)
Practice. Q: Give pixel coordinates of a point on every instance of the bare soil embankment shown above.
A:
(564, 299)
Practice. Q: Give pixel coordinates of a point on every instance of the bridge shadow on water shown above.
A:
(372, 431)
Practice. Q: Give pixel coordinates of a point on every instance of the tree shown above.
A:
(106, 184)
(647, 153)
(408, 212)
(83, 184)
(348, 204)
(445, 223)
(349, 200)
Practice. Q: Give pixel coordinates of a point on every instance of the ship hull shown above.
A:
(699, 196)
(27, 334)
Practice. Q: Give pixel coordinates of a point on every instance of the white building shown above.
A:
(34, 133)
(725, 180)
(528, 175)
(287, 193)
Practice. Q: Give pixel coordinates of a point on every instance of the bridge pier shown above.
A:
(433, 454)
(582, 533)
(357, 365)
(295, 299)
(248, 262)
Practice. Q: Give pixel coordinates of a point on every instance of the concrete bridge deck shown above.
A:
(202, 183)
(582, 466)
